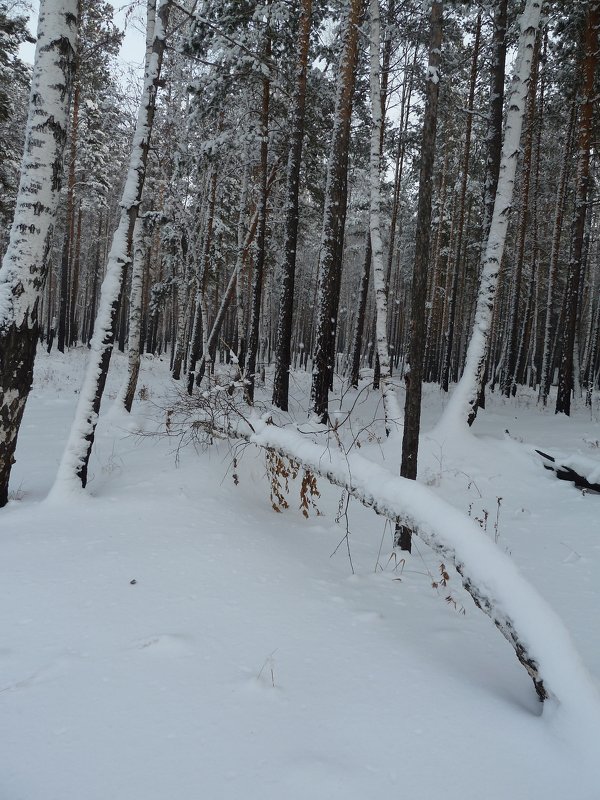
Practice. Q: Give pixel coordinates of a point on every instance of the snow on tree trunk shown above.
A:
(24, 267)
(462, 405)
(568, 374)
(390, 402)
(73, 469)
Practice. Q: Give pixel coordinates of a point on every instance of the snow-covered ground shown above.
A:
(168, 635)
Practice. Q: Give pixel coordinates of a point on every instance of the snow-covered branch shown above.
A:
(538, 636)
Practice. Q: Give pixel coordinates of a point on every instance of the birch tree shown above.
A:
(392, 411)
(74, 465)
(281, 381)
(463, 403)
(24, 267)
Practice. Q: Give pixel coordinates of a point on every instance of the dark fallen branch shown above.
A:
(567, 473)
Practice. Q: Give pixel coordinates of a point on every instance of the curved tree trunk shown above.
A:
(73, 469)
(463, 403)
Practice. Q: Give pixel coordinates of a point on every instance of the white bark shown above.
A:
(24, 267)
(462, 405)
(73, 467)
(390, 402)
(23, 270)
(127, 392)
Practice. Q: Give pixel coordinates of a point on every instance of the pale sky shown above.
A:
(132, 51)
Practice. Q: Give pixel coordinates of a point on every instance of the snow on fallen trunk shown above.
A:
(538, 636)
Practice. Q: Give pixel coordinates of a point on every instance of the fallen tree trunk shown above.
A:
(539, 638)
(582, 472)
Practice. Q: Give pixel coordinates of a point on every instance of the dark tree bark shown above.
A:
(566, 379)
(414, 375)
(288, 268)
(334, 219)
(509, 383)
(456, 264)
(261, 238)
(359, 324)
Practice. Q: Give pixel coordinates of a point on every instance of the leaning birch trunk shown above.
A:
(136, 300)
(463, 403)
(24, 267)
(74, 465)
(539, 638)
(390, 402)
(127, 393)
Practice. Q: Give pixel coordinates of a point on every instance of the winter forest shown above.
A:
(299, 399)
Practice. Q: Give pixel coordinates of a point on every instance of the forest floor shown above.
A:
(168, 635)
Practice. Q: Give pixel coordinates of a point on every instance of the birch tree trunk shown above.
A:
(127, 392)
(24, 267)
(390, 403)
(73, 468)
(509, 385)
(462, 406)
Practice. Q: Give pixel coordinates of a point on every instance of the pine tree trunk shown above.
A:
(24, 267)
(261, 238)
(135, 319)
(547, 357)
(334, 219)
(414, 375)
(566, 376)
(281, 380)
